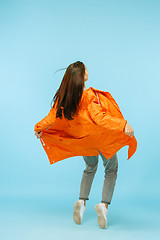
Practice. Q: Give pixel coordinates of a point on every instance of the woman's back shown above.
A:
(99, 124)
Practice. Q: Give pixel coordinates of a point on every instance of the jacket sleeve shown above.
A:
(103, 118)
(47, 121)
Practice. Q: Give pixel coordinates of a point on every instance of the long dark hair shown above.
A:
(69, 94)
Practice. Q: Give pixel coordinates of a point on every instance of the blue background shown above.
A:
(119, 42)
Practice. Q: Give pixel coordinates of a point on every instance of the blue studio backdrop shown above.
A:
(119, 42)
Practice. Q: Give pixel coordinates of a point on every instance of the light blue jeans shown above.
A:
(111, 168)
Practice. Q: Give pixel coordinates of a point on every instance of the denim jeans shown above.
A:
(110, 168)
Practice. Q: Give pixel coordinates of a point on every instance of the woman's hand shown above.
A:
(38, 134)
(129, 130)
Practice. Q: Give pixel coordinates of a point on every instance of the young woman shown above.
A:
(86, 122)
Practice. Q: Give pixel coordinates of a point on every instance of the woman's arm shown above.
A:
(102, 117)
(46, 121)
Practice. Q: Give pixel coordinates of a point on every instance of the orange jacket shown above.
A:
(99, 125)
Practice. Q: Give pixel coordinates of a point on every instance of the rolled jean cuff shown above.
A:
(105, 202)
(84, 198)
